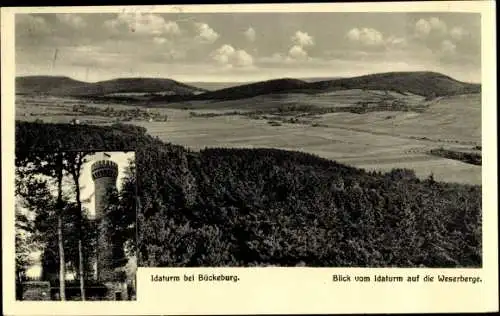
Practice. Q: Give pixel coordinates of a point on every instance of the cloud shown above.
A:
(422, 28)
(438, 25)
(365, 36)
(276, 58)
(142, 24)
(428, 27)
(159, 40)
(72, 20)
(393, 41)
(250, 34)
(295, 56)
(222, 54)
(242, 59)
(84, 49)
(447, 44)
(176, 54)
(227, 55)
(449, 53)
(205, 33)
(298, 53)
(302, 39)
(458, 33)
(448, 47)
(31, 25)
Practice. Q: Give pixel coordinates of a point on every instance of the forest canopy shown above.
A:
(254, 207)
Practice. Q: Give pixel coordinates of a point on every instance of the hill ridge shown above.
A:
(425, 83)
(429, 84)
(66, 86)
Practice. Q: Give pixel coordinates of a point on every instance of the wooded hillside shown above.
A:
(244, 207)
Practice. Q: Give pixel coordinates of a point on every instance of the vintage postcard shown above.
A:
(248, 159)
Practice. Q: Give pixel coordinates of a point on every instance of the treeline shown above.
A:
(311, 110)
(245, 207)
(37, 136)
(467, 157)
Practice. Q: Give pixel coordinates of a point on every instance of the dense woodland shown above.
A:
(246, 207)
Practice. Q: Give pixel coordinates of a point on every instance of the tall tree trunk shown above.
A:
(62, 262)
(62, 270)
(76, 179)
(80, 268)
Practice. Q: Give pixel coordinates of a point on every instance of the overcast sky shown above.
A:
(246, 46)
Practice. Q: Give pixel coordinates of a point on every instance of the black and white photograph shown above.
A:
(262, 139)
(75, 225)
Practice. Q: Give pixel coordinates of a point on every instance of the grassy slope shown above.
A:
(241, 207)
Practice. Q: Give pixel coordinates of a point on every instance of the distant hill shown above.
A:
(427, 84)
(45, 84)
(213, 86)
(64, 86)
(316, 79)
(254, 89)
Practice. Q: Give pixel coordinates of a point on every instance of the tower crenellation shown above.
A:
(104, 168)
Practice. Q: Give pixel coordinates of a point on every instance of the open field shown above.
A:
(380, 140)
(361, 149)
(334, 99)
(450, 119)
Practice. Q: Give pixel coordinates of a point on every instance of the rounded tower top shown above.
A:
(104, 168)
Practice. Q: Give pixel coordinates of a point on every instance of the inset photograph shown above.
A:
(75, 226)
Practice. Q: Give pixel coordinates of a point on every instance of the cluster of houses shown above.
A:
(135, 114)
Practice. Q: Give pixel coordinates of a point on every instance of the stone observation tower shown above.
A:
(104, 174)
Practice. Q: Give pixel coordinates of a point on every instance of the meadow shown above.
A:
(374, 140)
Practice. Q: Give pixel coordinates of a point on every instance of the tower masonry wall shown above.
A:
(104, 174)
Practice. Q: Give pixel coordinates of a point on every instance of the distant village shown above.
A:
(135, 114)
